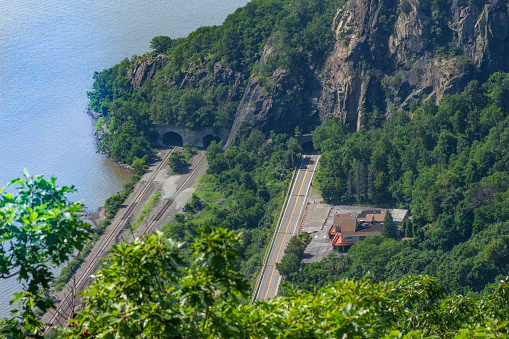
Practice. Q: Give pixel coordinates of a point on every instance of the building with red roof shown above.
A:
(348, 229)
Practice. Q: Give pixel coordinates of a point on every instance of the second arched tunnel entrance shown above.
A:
(207, 140)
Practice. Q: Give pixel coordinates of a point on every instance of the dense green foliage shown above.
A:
(161, 44)
(290, 262)
(39, 229)
(188, 92)
(243, 190)
(177, 162)
(389, 229)
(149, 291)
(143, 288)
(449, 165)
(207, 297)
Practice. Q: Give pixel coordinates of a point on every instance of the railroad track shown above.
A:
(190, 178)
(84, 276)
(83, 280)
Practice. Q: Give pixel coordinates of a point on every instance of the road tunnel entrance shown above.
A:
(172, 139)
(307, 147)
(207, 140)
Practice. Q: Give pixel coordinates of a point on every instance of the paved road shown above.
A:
(289, 226)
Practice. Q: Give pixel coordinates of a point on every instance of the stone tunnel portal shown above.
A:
(207, 140)
(307, 146)
(172, 139)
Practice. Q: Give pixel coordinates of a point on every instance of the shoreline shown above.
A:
(99, 135)
(94, 218)
(97, 217)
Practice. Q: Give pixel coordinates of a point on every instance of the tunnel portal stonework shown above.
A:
(194, 137)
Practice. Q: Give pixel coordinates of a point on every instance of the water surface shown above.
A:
(49, 51)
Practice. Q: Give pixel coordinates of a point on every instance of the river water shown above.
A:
(49, 51)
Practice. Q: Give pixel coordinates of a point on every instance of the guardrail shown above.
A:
(269, 249)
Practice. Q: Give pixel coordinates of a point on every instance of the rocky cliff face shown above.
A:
(145, 69)
(279, 103)
(387, 54)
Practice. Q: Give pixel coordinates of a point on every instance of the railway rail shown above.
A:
(190, 178)
(65, 307)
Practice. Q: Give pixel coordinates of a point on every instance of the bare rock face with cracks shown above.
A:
(385, 55)
(410, 51)
(146, 69)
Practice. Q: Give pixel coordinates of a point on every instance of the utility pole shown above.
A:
(290, 148)
(283, 166)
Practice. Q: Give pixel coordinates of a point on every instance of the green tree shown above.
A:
(408, 228)
(189, 150)
(389, 229)
(194, 205)
(140, 165)
(321, 273)
(177, 162)
(148, 291)
(161, 44)
(39, 228)
(290, 262)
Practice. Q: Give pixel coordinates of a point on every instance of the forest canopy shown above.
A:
(449, 165)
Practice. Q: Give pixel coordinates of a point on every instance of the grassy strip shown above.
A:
(146, 210)
(111, 207)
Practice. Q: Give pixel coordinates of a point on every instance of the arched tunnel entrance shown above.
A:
(172, 139)
(207, 140)
(307, 147)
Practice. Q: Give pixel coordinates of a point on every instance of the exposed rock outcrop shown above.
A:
(278, 103)
(145, 69)
(257, 107)
(219, 74)
(422, 53)
(387, 54)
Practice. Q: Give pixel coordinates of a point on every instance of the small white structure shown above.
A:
(399, 215)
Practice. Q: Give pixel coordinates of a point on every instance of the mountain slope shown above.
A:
(385, 55)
